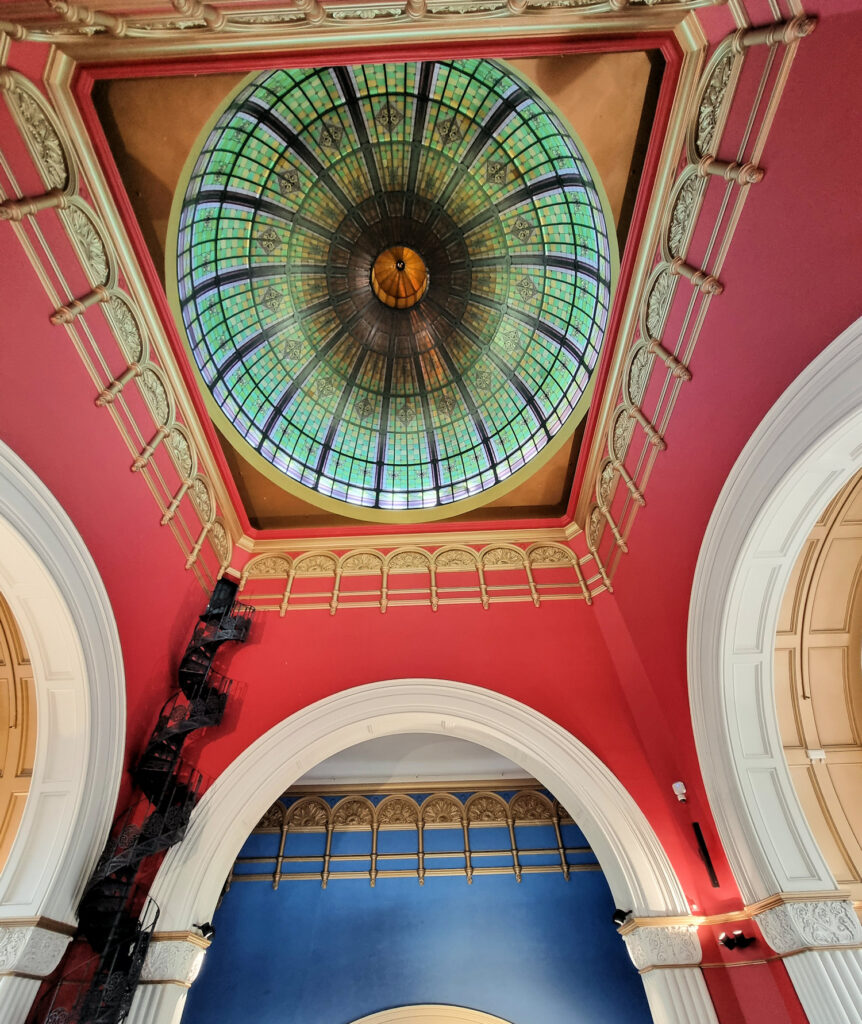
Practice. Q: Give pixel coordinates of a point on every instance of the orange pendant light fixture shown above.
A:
(399, 277)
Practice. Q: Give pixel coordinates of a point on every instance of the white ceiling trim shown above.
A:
(429, 1013)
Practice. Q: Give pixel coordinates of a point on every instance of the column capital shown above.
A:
(32, 948)
(663, 946)
(174, 957)
(801, 924)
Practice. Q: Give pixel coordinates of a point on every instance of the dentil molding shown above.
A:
(791, 927)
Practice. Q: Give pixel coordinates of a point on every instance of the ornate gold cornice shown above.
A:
(746, 913)
(46, 924)
(193, 937)
(94, 33)
(416, 786)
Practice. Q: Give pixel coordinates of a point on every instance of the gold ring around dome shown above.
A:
(399, 277)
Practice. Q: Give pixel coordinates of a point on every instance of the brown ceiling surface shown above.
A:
(152, 125)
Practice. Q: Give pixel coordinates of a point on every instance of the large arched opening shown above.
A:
(57, 598)
(636, 867)
(804, 451)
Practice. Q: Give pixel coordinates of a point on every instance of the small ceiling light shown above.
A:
(679, 789)
(621, 916)
(737, 940)
(206, 930)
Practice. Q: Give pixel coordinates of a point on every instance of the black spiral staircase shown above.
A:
(114, 916)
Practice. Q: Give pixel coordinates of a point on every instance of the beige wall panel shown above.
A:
(791, 605)
(820, 639)
(7, 703)
(847, 780)
(10, 818)
(854, 509)
(810, 797)
(827, 682)
(785, 698)
(27, 746)
(17, 728)
(840, 566)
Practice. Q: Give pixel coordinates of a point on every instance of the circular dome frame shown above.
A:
(514, 341)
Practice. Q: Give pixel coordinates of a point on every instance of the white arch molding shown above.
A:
(431, 1013)
(806, 448)
(639, 873)
(60, 604)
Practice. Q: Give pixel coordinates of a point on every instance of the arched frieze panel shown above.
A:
(442, 809)
(89, 239)
(620, 434)
(41, 131)
(637, 373)
(503, 556)
(127, 329)
(531, 806)
(398, 811)
(684, 207)
(362, 563)
(267, 566)
(715, 93)
(310, 813)
(657, 299)
(157, 395)
(274, 819)
(182, 451)
(353, 812)
(486, 808)
(221, 544)
(407, 560)
(202, 499)
(547, 556)
(456, 558)
(316, 564)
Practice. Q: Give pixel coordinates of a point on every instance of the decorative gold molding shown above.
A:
(192, 937)
(399, 811)
(747, 913)
(91, 34)
(44, 131)
(633, 453)
(46, 924)
(454, 786)
(540, 572)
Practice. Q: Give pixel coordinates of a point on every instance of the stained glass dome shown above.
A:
(394, 279)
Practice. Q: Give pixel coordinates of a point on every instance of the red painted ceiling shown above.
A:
(614, 673)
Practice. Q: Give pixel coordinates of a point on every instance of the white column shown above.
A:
(29, 951)
(667, 957)
(678, 995)
(822, 943)
(173, 962)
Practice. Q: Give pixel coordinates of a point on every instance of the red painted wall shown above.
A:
(614, 675)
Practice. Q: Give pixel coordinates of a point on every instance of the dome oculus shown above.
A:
(394, 279)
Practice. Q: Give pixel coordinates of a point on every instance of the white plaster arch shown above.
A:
(806, 448)
(430, 1013)
(59, 601)
(638, 871)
